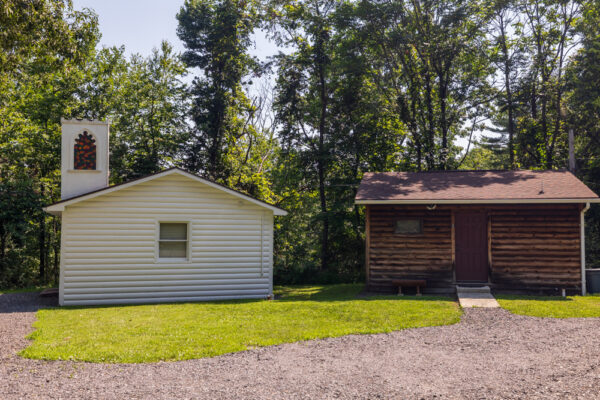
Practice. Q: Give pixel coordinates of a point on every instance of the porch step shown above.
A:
(476, 297)
(473, 289)
(49, 292)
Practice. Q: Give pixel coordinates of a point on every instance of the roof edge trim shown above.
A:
(498, 201)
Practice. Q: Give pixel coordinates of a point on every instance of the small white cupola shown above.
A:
(84, 156)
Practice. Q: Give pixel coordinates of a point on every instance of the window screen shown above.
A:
(409, 226)
(173, 240)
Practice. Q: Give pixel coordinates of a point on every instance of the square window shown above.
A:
(409, 226)
(173, 240)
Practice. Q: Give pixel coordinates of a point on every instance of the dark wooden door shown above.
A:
(470, 236)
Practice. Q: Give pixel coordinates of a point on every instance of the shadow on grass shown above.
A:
(341, 292)
(287, 294)
(535, 298)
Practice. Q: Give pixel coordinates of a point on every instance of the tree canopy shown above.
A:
(362, 85)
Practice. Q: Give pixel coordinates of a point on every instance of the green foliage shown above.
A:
(432, 60)
(45, 44)
(362, 86)
(333, 124)
(229, 141)
(583, 103)
(484, 157)
(552, 307)
(152, 333)
(18, 202)
(147, 105)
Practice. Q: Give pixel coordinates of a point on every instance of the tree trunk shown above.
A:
(509, 97)
(429, 151)
(511, 124)
(42, 241)
(545, 125)
(321, 159)
(557, 123)
(443, 120)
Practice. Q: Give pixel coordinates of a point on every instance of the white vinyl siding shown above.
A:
(110, 246)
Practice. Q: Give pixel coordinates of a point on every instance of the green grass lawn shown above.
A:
(552, 306)
(149, 333)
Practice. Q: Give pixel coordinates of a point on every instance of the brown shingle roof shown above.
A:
(469, 186)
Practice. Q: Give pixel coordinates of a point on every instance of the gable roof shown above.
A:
(454, 187)
(59, 206)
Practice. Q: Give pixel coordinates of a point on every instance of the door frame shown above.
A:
(488, 242)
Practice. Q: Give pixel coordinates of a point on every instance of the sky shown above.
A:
(141, 25)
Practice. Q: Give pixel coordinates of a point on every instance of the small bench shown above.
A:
(404, 283)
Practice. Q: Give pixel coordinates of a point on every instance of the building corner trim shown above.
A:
(582, 247)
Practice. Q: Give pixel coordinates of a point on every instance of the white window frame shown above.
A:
(157, 241)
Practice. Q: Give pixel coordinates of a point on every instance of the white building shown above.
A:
(167, 237)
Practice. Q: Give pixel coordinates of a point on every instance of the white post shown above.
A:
(582, 245)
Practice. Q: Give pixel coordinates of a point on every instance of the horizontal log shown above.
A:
(534, 247)
(376, 263)
(570, 269)
(426, 237)
(408, 251)
(420, 267)
(527, 263)
(549, 254)
(535, 277)
(535, 226)
(525, 230)
(400, 245)
(537, 236)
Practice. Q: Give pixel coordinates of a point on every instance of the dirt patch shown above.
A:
(490, 354)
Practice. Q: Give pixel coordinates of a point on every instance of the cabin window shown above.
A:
(409, 226)
(84, 152)
(173, 240)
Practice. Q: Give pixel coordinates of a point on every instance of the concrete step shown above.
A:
(473, 289)
(475, 297)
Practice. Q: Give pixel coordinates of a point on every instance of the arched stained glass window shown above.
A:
(85, 152)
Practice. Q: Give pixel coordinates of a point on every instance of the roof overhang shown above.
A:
(483, 201)
(58, 208)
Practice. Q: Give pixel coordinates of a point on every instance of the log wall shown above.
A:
(530, 247)
(394, 256)
(536, 247)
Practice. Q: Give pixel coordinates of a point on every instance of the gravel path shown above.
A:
(490, 354)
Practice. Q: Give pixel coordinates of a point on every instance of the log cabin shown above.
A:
(516, 231)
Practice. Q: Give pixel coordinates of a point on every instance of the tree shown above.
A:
(549, 32)
(46, 45)
(217, 36)
(303, 91)
(18, 202)
(147, 103)
(507, 55)
(432, 55)
(583, 113)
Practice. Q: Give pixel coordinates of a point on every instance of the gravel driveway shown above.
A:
(489, 354)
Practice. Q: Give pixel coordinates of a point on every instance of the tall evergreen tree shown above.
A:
(217, 35)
